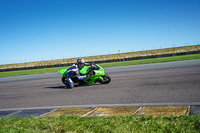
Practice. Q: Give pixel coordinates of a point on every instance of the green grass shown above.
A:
(117, 124)
(113, 64)
(153, 60)
(156, 52)
(31, 71)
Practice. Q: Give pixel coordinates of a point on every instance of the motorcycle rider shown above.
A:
(74, 71)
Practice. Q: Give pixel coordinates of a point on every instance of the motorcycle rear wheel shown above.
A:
(66, 83)
(63, 80)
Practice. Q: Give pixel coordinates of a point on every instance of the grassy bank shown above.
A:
(113, 64)
(153, 60)
(174, 50)
(117, 124)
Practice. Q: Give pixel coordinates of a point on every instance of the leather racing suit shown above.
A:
(74, 71)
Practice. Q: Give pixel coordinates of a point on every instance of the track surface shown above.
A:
(154, 83)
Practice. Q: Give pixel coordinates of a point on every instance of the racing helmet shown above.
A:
(80, 63)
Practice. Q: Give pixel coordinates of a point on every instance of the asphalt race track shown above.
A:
(159, 83)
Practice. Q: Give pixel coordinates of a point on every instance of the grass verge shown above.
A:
(113, 64)
(117, 124)
(59, 62)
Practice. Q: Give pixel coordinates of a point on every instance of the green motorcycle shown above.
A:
(96, 72)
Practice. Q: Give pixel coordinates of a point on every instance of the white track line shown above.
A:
(108, 105)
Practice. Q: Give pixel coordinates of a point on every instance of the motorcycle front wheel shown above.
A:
(106, 79)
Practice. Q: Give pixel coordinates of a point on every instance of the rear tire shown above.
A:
(106, 79)
(64, 81)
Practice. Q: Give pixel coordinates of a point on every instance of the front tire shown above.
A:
(106, 79)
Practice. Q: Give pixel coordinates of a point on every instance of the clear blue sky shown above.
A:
(34, 30)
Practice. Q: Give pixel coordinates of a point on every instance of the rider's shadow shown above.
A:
(57, 87)
(65, 87)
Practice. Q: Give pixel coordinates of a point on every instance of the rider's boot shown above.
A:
(71, 84)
